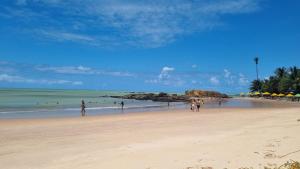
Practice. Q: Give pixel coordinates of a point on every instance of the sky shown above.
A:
(143, 45)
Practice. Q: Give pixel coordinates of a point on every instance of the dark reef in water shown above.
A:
(165, 97)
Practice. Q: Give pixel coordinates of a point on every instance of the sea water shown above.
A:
(36, 103)
(44, 103)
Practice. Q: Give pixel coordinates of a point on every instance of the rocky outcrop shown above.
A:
(203, 93)
(164, 97)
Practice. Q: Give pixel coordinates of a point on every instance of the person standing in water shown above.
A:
(82, 108)
(122, 105)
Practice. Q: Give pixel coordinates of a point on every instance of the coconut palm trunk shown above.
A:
(256, 59)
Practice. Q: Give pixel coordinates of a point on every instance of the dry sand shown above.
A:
(217, 138)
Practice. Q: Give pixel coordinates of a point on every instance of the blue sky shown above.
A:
(158, 45)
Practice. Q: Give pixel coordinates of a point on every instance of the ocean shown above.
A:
(47, 103)
(37, 103)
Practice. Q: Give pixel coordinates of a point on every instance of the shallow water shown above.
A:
(41, 103)
(37, 103)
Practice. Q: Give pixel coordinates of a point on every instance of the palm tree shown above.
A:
(284, 80)
(256, 85)
(256, 59)
(280, 72)
(293, 72)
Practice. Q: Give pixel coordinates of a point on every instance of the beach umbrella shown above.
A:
(274, 95)
(298, 96)
(281, 95)
(290, 95)
(256, 93)
(266, 93)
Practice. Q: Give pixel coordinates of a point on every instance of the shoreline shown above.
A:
(210, 103)
(176, 139)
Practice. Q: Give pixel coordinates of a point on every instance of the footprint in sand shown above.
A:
(270, 145)
(270, 155)
(206, 168)
(270, 151)
(286, 137)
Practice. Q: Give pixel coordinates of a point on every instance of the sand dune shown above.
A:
(217, 138)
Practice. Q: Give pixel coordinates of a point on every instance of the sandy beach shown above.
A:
(179, 139)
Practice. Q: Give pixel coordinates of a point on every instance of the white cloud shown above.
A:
(19, 79)
(143, 23)
(8, 78)
(214, 80)
(165, 73)
(83, 70)
(77, 83)
(167, 78)
(65, 36)
(243, 81)
(227, 73)
(229, 77)
(67, 69)
(194, 66)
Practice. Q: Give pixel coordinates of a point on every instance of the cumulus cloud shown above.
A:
(167, 78)
(243, 81)
(230, 78)
(19, 79)
(227, 73)
(214, 80)
(165, 73)
(142, 23)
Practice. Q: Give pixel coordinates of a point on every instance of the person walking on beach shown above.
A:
(193, 105)
(198, 104)
(220, 102)
(82, 108)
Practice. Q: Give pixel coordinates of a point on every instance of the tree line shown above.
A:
(284, 80)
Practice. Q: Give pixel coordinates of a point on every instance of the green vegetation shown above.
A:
(284, 80)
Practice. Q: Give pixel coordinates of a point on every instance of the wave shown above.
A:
(78, 109)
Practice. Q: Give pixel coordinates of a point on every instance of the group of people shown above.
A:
(83, 107)
(196, 104)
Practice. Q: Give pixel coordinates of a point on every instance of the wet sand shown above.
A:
(178, 139)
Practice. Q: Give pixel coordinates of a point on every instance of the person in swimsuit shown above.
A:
(193, 105)
(198, 104)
